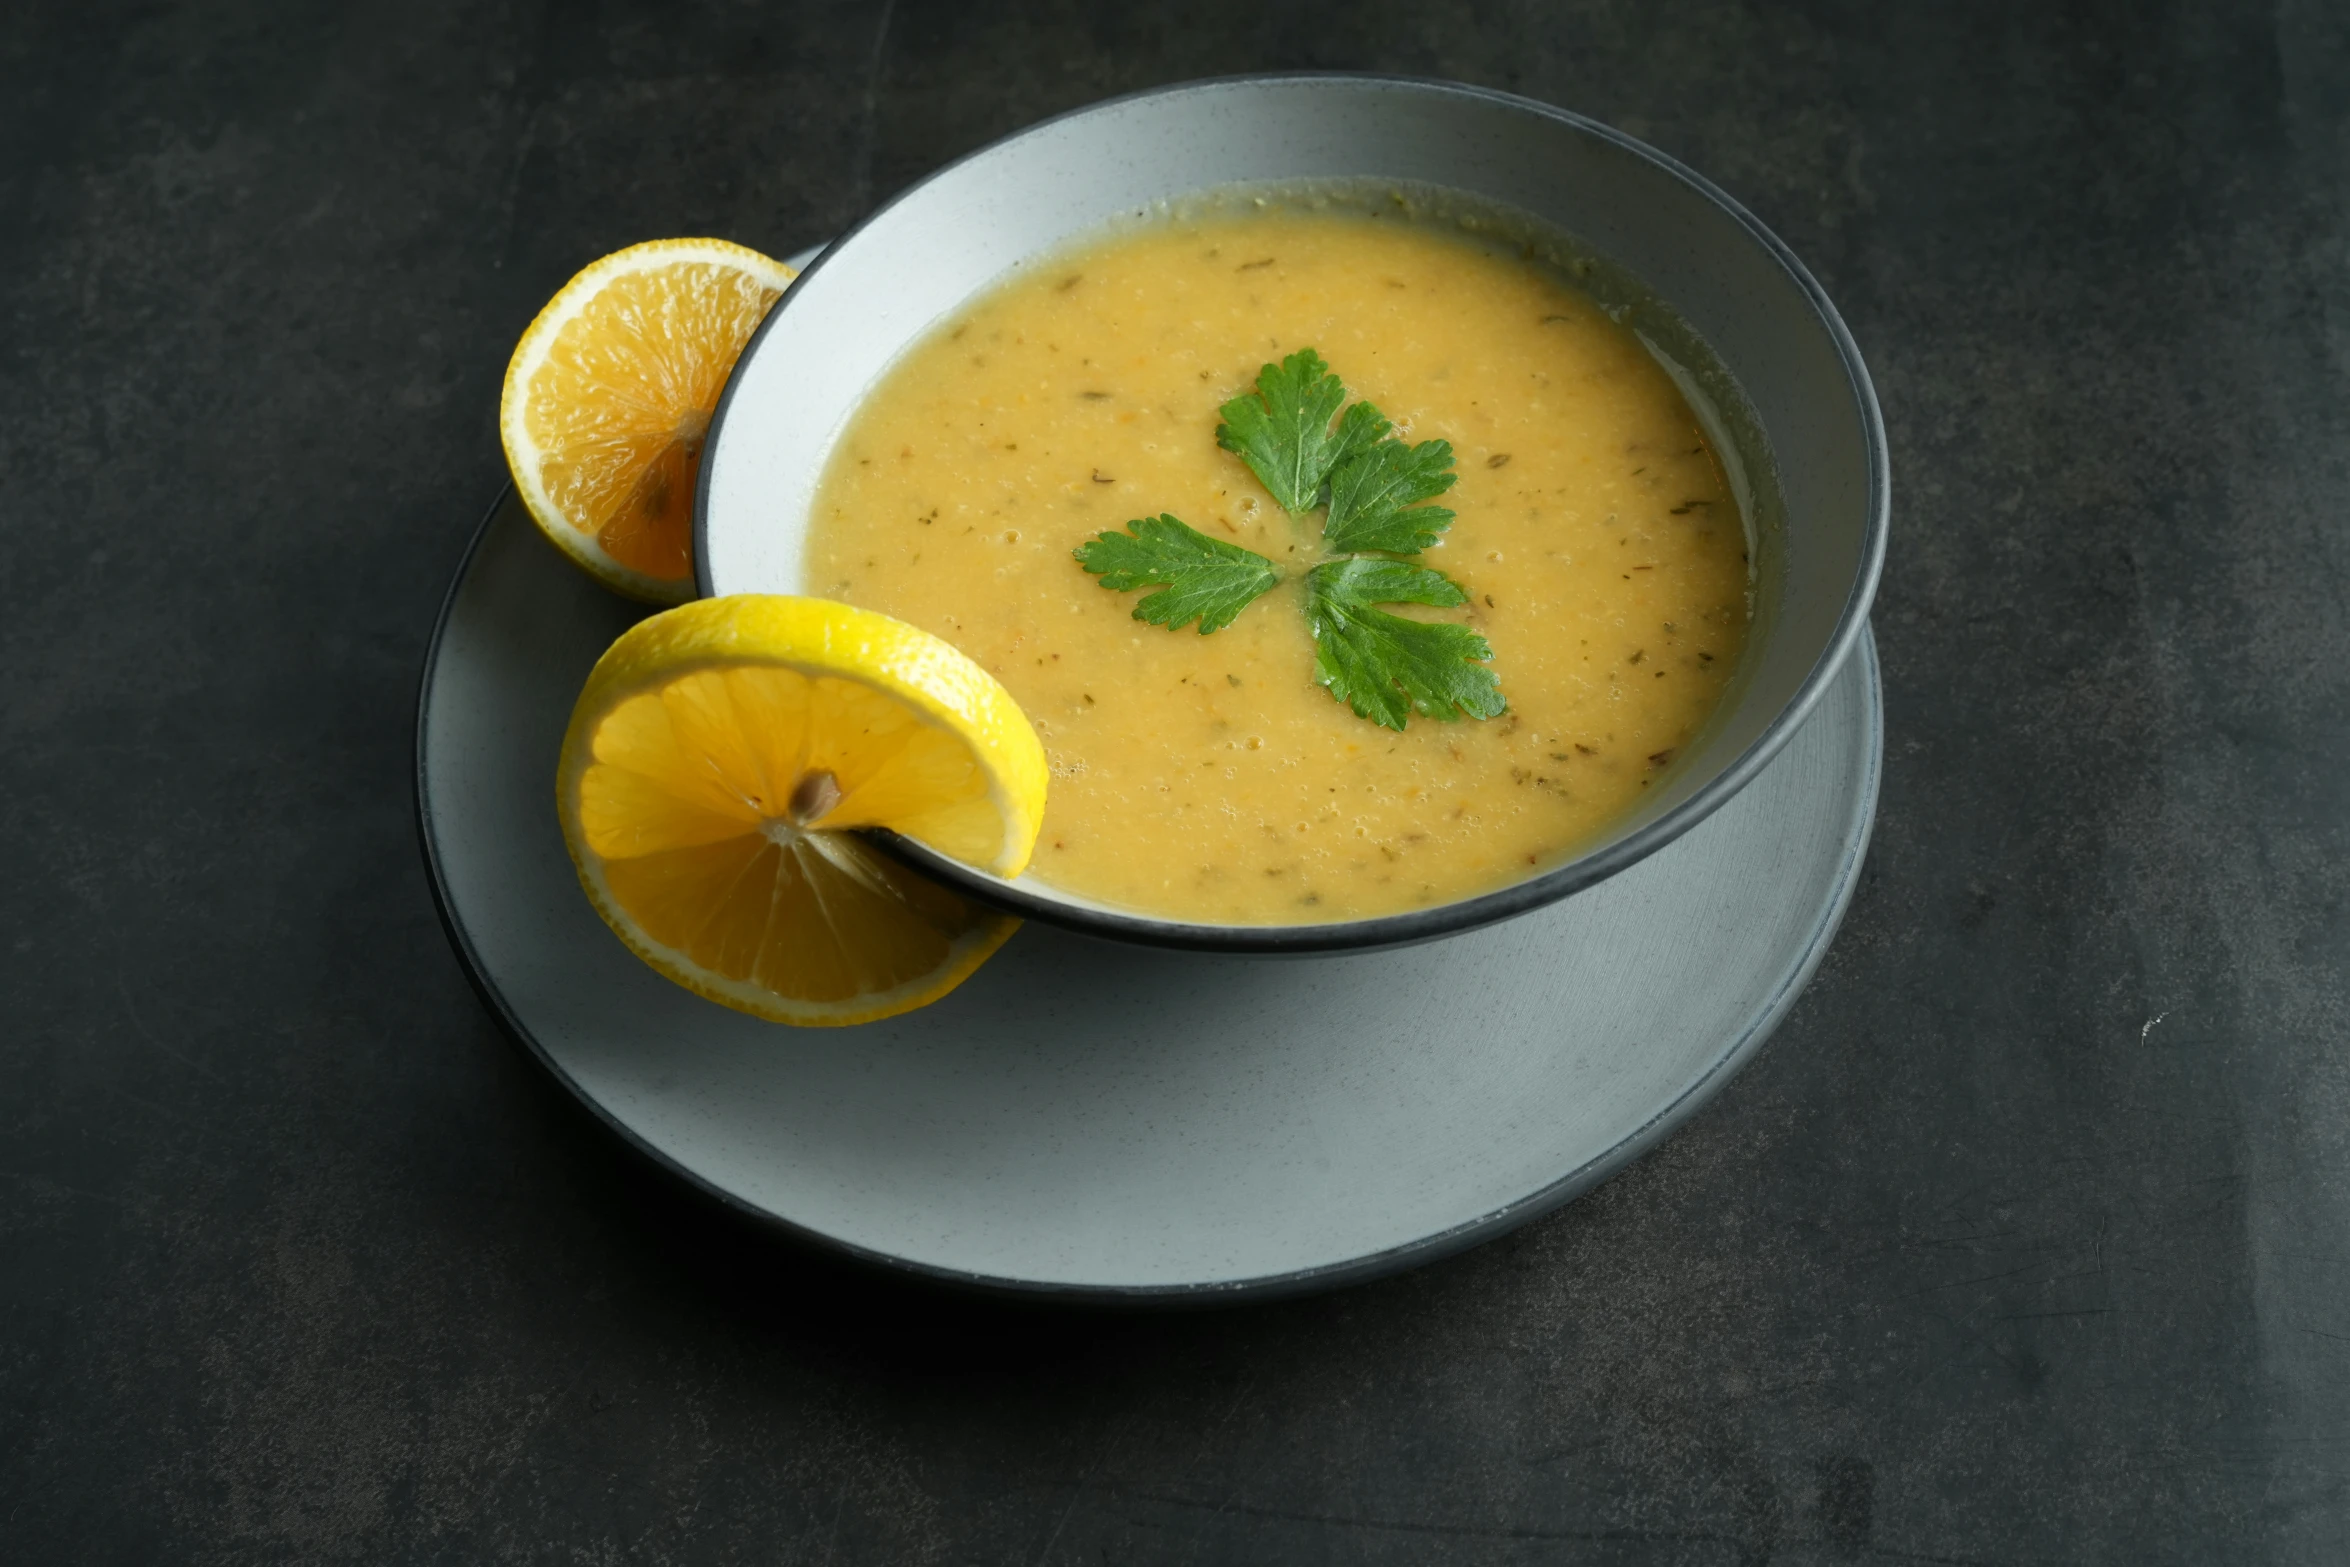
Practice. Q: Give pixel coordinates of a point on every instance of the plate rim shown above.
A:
(1304, 1281)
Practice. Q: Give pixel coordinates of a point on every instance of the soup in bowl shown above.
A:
(1396, 505)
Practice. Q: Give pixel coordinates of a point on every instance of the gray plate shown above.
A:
(1089, 1120)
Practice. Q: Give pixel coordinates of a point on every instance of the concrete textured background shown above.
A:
(2026, 1241)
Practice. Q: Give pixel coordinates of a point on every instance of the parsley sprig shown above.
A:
(1374, 488)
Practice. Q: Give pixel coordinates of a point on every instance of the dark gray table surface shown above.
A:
(2027, 1240)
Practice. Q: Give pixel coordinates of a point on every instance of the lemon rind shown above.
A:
(523, 456)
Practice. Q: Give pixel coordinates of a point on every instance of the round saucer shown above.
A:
(1088, 1120)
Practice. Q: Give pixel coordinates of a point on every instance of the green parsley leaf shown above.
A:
(1282, 429)
(1370, 491)
(1203, 577)
(1384, 666)
(1359, 429)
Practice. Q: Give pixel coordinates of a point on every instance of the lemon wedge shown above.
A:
(717, 763)
(608, 400)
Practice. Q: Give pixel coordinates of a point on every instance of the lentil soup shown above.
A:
(1209, 778)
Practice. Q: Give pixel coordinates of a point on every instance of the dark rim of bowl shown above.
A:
(1272, 1286)
(1464, 914)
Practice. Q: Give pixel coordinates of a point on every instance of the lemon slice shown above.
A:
(715, 764)
(608, 399)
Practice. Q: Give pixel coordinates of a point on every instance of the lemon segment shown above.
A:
(608, 400)
(717, 764)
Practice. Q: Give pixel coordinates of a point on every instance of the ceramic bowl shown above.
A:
(1729, 309)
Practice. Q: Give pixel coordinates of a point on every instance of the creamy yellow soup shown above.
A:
(1209, 777)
